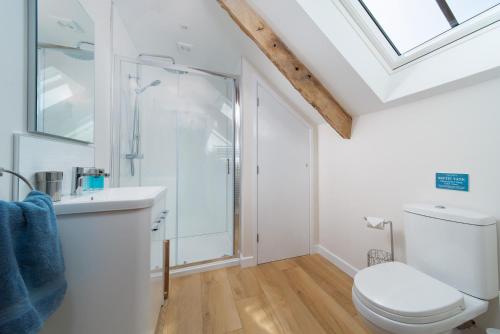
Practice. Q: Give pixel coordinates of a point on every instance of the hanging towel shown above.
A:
(32, 282)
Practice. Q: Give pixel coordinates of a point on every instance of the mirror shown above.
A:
(61, 70)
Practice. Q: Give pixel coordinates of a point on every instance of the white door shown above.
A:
(283, 181)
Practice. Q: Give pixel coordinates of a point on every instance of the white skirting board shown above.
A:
(204, 267)
(339, 262)
(248, 261)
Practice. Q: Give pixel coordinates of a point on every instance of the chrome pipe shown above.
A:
(152, 55)
(25, 180)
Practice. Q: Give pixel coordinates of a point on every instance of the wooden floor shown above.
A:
(305, 295)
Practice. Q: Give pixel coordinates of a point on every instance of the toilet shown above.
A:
(450, 274)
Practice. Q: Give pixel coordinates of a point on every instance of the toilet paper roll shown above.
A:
(375, 222)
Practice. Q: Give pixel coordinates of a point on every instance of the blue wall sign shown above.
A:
(450, 181)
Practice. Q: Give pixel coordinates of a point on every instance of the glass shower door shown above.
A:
(205, 154)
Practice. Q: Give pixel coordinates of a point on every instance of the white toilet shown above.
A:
(451, 274)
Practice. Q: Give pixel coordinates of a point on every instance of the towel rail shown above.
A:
(25, 180)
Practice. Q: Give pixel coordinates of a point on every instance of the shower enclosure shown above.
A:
(178, 127)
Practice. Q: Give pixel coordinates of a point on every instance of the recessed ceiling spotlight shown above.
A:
(184, 47)
(70, 25)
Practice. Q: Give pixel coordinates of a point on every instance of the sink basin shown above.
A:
(110, 199)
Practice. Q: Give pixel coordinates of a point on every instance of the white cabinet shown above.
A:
(108, 241)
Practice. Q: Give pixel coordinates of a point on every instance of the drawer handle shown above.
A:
(164, 214)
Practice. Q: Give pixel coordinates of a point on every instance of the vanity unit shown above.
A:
(108, 240)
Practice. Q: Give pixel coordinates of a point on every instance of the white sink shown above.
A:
(110, 199)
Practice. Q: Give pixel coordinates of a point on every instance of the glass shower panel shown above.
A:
(205, 168)
(158, 138)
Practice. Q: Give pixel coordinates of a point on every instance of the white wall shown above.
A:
(111, 38)
(13, 95)
(122, 43)
(392, 159)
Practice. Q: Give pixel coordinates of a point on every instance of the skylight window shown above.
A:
(410, 24)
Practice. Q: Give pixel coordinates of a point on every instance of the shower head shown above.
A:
(82, 51)
(143, 89)
(155, 83)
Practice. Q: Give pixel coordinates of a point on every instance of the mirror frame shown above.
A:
(32, 75)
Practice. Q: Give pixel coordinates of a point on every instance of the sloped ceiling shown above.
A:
(310, 45)
(156, 26)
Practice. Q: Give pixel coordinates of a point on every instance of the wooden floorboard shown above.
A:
(305, 295)
(220, 314)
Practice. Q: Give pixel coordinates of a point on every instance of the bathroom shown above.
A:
(249, 206)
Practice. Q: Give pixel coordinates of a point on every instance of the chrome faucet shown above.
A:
(79, 173)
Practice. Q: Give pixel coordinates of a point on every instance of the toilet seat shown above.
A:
(381, 294)
(401, 293)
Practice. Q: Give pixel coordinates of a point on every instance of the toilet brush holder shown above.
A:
(377, 256)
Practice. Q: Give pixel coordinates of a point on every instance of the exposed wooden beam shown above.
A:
(292, 68)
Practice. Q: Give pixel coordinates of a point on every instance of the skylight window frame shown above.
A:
(388, 52)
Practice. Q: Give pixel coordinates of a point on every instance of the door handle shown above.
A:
(228, 166)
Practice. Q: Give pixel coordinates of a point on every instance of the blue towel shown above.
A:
(32, 282)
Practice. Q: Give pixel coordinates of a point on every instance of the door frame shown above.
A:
(296, 115)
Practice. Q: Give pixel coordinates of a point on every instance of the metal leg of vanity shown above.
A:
(166, 268)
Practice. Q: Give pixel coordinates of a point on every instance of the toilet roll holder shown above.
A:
(377, 256)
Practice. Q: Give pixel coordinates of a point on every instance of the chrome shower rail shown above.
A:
(152, 55)
(25, 180)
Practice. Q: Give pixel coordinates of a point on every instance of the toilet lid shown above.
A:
(402, 293)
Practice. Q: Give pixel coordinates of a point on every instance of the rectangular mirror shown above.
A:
(61, 70)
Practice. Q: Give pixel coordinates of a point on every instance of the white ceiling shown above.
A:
(155, 26)
(319, 33)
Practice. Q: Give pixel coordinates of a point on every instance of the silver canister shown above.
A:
(50, 183)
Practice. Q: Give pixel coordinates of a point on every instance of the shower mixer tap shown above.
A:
(136, 129)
